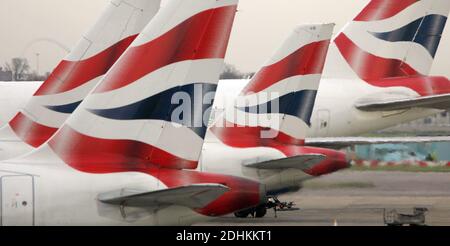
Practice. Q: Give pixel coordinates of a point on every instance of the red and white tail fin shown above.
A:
(281, 96)
(81, 70)
(152, 107)
(389, 38)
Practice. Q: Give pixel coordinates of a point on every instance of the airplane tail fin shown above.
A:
(78, 73)
(389, 38)
(284, 89)
(152, 107)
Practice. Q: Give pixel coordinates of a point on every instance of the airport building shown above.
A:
(404, 152)
(5, 75)
(434, 125)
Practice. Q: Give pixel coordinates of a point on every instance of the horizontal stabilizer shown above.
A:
(430, 102)
(302, 162)
(344, 142)
(193, 196)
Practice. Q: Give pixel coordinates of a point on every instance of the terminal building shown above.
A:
(438, 125)
(5, 75)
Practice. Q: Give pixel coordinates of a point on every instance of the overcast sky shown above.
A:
(260, 27)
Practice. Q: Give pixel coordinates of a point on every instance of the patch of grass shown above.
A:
(318, 185)
(415, 169)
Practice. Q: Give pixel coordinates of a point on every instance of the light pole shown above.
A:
(37, 63)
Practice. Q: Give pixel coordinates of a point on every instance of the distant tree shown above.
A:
(249, 75)
(231, 72)
(19, 68)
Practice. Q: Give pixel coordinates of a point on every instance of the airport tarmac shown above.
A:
(354, 198)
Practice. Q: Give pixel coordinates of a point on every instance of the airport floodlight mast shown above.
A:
(37, 63)
(37, 54)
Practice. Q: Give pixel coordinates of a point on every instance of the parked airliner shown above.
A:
(377, 71)
(119, 159)
(261, 136)
(74, 77)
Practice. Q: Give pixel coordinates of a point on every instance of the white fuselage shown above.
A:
(335, 114)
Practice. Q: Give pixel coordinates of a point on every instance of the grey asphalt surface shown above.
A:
(353, 198)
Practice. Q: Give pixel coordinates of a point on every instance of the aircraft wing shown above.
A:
(302, 162)
(193, 196)
(430, 102)
(339, 143)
